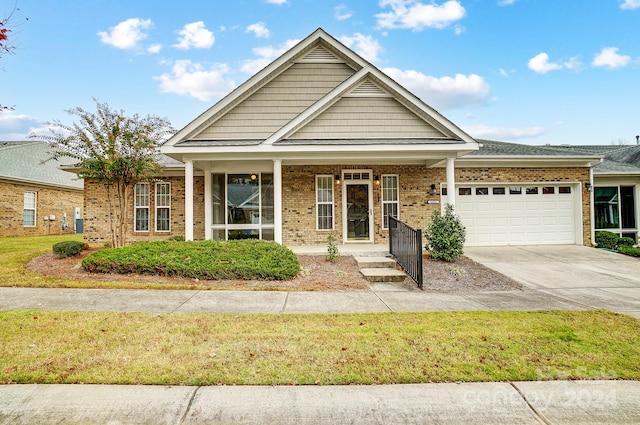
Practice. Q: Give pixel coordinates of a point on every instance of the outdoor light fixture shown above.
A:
(253, 177)
(433, 189)
(337, 178)
(588, 186)
(377, 179)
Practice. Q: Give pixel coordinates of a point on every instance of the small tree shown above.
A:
(6, 45)
(445, 235)
(113, 149)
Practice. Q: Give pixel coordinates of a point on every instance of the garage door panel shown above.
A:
(519, 219)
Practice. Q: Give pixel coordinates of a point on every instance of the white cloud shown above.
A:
(506, 2)
(16, 127)
(540, 64)
(342, 12)
(443, 92)
(365, 45)
(610, 58)
(266, 55)
(276, 1)
(193, 79)
(502, 133)
(127, 34)
(630, 4)
(154, 48)
(414, 15)
(259, 29)
(194, 35)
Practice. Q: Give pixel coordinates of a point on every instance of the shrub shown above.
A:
(213, 260)
(178, 238)
(607, 240)
(332, 248)
(625, 242)
(445, 235)
(629, 250)
(68, 248)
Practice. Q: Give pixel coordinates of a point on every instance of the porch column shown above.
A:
(451, 182)
(188, 200)
(207, 205)
(277, 200)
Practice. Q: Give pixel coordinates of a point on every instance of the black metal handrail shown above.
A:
(405, 244)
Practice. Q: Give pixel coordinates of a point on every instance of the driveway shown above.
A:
(587, 276)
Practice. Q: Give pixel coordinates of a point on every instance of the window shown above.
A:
(532, 190)
(242, 206)
(515, 190)
(29, 211)
(548, 190)
(163, 207)
(564, 189)
(390, 199)
(324, 202)
(499, 190)
(482, 190)
(464, 191)
(141, 196)
(615, 208)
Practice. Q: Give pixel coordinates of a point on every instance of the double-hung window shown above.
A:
(163, 207)
(29, 211)
(324, 202)
(390, 198)
(141, 207)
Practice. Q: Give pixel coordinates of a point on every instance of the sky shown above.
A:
(525, 71)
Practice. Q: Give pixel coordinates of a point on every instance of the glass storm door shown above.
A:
(358, 212)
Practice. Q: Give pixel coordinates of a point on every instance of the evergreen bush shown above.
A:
(445, 235)
(607, 240)
(68, 248)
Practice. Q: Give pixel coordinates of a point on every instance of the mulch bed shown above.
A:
(316, 274)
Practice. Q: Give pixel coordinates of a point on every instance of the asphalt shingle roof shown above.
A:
(27, 161)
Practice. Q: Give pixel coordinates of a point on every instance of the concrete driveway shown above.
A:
(590, 277)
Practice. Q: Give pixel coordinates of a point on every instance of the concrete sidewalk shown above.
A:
(540, 402)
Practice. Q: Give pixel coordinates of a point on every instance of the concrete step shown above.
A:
(383, 275)
(375, 262)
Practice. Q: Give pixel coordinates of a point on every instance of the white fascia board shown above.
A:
(42, 184)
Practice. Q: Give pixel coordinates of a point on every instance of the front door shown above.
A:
(358, 220)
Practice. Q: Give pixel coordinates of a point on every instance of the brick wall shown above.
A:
(49, 201)
(299, 204)
(97, 227)
(299, 225)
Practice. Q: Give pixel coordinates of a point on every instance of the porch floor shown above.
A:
(362, 250)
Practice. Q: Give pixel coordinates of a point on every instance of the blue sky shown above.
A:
(526, 71)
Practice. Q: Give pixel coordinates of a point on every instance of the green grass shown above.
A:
(199, 349)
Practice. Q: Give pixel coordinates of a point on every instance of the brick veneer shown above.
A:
(299, 205)
(49, 201)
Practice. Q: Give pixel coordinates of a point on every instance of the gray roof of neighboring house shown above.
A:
(495, 148)
(27, 161)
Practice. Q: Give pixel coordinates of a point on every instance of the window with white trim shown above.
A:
(390, 198)
(163, 207)
(29, 211)
(324, 202)
(141, 207)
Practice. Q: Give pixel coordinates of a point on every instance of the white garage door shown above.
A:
(517, 214)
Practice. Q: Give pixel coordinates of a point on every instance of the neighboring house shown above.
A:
(36, 196)
(616, 185)
(320, 141)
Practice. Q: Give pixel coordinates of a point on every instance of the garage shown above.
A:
(519, 214)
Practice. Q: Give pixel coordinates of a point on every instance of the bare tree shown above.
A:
(7, 46)
(113, 149)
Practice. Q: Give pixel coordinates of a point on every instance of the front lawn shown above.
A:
(201, 349)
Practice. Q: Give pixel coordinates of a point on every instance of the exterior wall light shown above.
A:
(337, 179)
(434, 192)
(377, 180)
(588, 186)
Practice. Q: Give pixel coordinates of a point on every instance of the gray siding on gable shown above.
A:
(278, 102)
(367, 117)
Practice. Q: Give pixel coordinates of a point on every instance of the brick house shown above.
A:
(320, 141)
(36, 197)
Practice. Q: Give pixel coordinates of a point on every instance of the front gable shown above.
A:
(319, 90)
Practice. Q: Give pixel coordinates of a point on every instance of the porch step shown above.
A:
(383, 275)
(375, 262)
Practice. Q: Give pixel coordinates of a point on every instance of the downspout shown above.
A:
(592, 211)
